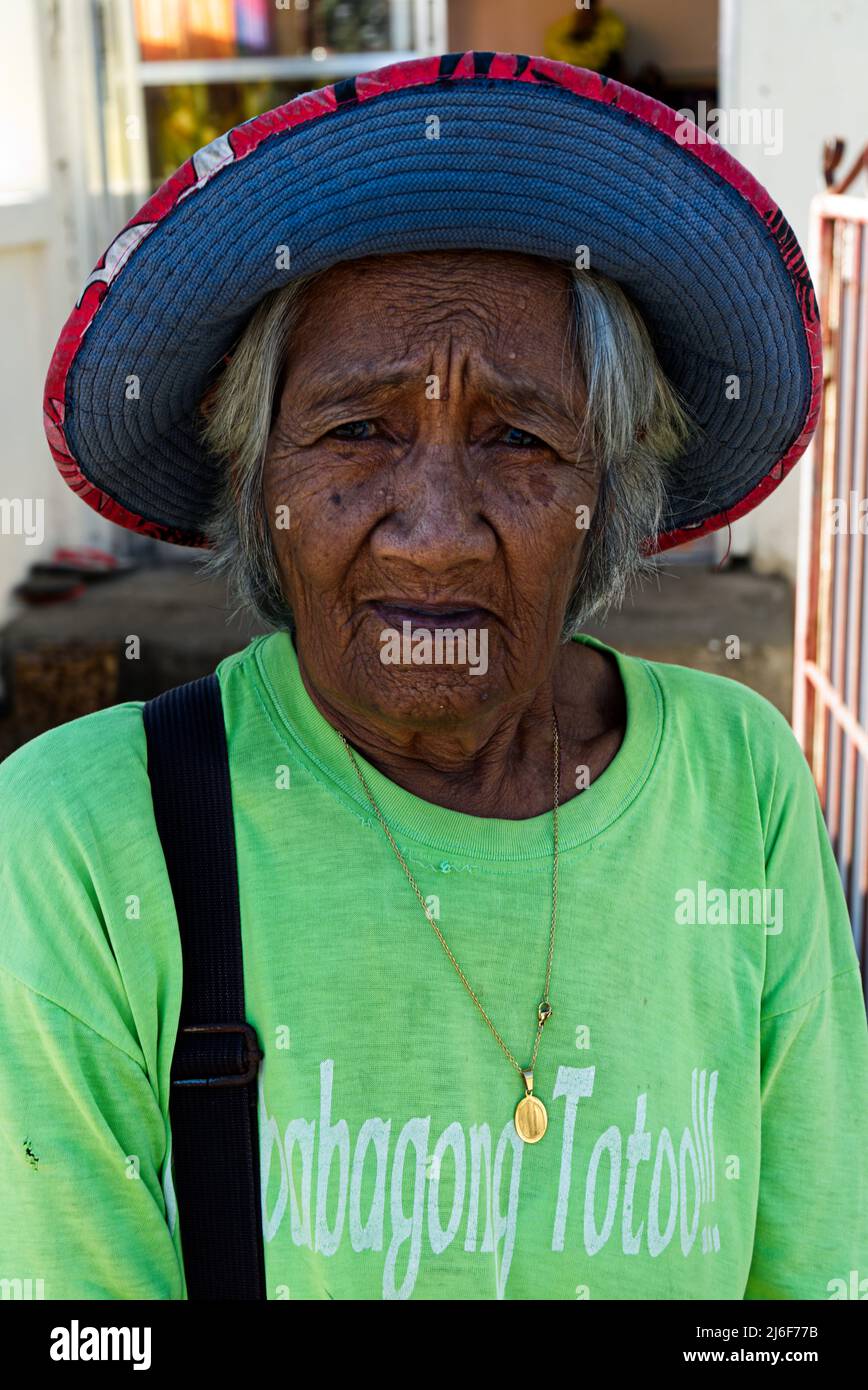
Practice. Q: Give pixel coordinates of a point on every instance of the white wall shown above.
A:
(27, 284)
(26, 467)
(54, 221)
(811, 62)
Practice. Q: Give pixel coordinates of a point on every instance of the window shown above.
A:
(206, 65)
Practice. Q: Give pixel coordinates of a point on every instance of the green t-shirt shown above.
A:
(705, 1069)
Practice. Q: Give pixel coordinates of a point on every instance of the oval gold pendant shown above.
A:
(531, 1119)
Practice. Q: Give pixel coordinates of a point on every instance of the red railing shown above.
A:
(830, 688)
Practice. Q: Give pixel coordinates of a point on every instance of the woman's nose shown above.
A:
(435, 518)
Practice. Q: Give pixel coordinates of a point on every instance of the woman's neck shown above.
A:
(501, 765)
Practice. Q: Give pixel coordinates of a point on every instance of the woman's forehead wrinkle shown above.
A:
(331, 382)
(406, 299)
(333, 386)
(328, 382)
(519, 389)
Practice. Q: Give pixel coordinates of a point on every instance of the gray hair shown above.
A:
(634, 424)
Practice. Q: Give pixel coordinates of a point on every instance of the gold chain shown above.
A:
(544, 1009)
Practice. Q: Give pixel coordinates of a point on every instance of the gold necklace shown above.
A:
(531, 1118)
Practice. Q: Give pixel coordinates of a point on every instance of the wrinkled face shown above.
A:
(426, 446)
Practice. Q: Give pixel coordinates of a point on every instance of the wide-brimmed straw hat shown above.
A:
(488, 151)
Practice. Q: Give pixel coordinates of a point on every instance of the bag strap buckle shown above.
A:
(199, 1060)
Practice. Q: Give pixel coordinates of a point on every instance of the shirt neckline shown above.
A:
(456, 833)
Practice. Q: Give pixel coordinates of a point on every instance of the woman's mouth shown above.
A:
(396, 612)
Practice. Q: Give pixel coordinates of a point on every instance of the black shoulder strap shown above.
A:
(216, 1062)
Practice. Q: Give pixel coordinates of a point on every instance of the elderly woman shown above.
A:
(544, 946)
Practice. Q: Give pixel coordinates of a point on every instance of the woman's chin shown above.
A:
(431, 698)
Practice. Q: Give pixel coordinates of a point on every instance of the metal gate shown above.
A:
(830, 689)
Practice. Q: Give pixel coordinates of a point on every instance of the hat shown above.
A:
(485, 151)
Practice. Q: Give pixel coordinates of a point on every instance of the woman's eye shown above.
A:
(353, 429)
(521, 439)
(366, 429)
